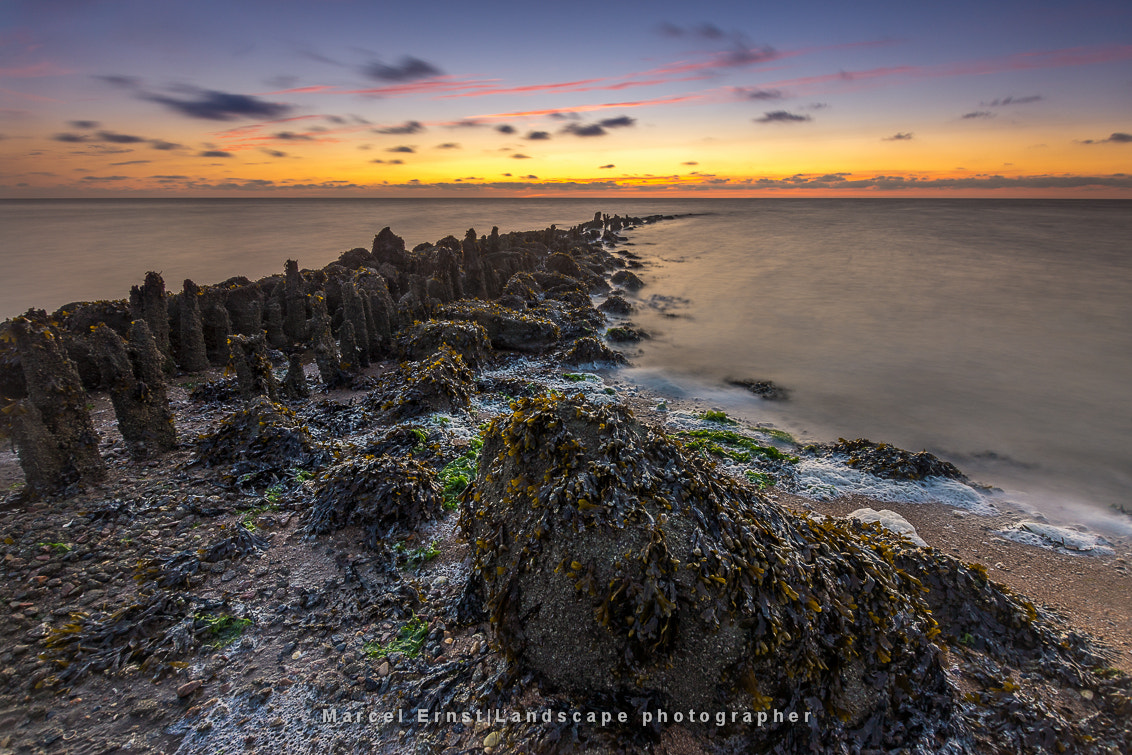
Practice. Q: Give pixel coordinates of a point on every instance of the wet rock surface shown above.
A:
(886, 460)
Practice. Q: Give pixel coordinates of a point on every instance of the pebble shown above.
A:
(383, 670)
(491, 740)
(189, 688)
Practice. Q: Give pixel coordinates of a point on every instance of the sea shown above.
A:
(994, 333)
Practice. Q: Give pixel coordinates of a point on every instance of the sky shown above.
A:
(498, 99)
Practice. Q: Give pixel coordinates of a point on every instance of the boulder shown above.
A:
(263, 439)
(439, 383)
(890, 521)
(468, 339)
(506, 328)
(612, 564)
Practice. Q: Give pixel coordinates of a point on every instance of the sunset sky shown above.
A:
(362, 98)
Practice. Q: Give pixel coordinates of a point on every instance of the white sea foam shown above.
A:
(825, 479)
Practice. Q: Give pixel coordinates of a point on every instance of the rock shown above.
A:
(189, 688)
(376, 493)
(326, 353)
(612, 564)
(615, 305)
(149, 303)
(891, 521)
(247, 358)
(62, 419)
(440, 383)
(507, 329)
(492, 739)
(627, 280)
(761, 388)
(192, 355)
(589, 350)
(389, 248)
(295, 384)
(136, 384)
(294, 304)
(262, 438)
(468, 339)
(626, 334)
(885, 460)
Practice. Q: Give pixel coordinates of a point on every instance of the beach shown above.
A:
(238, 588)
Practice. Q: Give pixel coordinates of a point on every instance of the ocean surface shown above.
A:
(995, 333)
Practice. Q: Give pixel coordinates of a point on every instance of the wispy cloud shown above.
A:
(220, 106)
(1117, 137)
(782, 116)
(215, 153)
(1003, 102)
(408, 127)
(977, 114)
(898, 137)
(407, 69)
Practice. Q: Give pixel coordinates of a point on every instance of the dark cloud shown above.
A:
(221, 106)
(782, 116)
(760, 94)
(520, 156)
(978, 114)
(133, 162)
(538, 135)
(70, 138)
(505, 128)
(110, 136)
(104, 178)
(1117, 137)
(123, 82)
(603, 167)
(466, 123)
(409, 69)
(1013, 101)
(742, 54)
(898, 137)
(448, 145)
(564, 116)
(620, 121)
(83, 124)
(690, 162)
(408, 127)
(389, 162)
(337, 119)
(273, 152)
(588, 129)
(215, 153)
(291, 136)
(402, 148)
(163, 145)
(531, 178)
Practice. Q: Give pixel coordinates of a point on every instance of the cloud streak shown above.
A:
(220, 106)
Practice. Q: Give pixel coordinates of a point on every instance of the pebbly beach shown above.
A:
(411, 502)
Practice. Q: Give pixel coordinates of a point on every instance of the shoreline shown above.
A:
(309, 642)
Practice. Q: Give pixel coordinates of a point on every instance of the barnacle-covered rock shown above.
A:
(506, 328)
(885, 460)
(613, 563)
(440, 383)
(264, 439)
(379, 493)
(614, 304)
(589, 350)
(468, 339)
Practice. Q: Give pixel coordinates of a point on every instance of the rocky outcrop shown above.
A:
(247, 358)
(468, 339)
(439, 383)
(61, 412)
(192, 354)
(507, 329)
(261, 441)
(886, 460)
(613, 564)
(589, 350)
(148, 302)
(133, 376)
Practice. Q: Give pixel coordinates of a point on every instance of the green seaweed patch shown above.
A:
(415, 558)
(759, 479)
(576, 377)
(728, 444)
(717, 416)
(457, 474)
(222, 629)
(409, 641)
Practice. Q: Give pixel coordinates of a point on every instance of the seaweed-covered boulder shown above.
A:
(247, 358)
(626, 334)
(614, 564)
(627, 280)
(885, 460)
(766, 389)
(468, 339)
(506, 328)
(132, 374)
(589, 350)
(380, 493)
(263, 440)
(440, 383)
(614, 304)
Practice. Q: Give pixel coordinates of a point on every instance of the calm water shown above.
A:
(997, 333)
